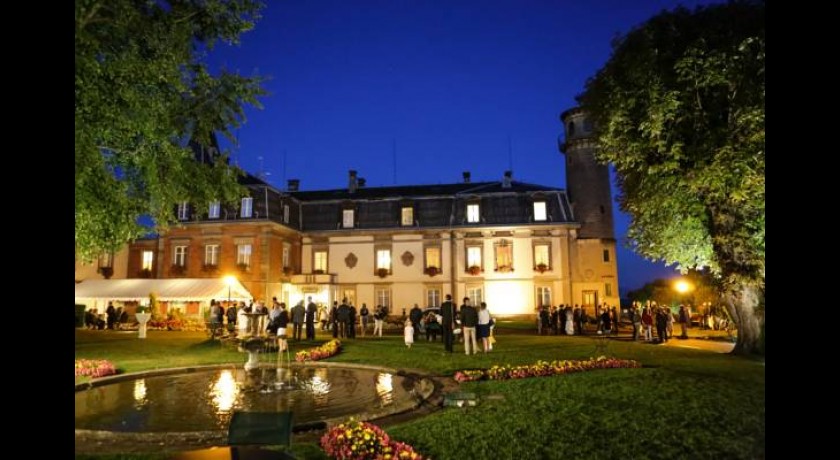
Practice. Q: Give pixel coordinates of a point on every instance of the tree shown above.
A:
(142, 92)
(679, 110)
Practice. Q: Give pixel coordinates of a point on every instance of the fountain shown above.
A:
(254, 339)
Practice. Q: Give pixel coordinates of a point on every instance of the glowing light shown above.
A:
(507, 297)
(385, 388)
(224, 391)
(140, 391)
(320, 388)
(682, 286)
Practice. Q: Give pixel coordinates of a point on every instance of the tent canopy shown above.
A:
(168, 290)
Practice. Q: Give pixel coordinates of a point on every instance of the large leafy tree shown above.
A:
(679, 111)
(142, 91)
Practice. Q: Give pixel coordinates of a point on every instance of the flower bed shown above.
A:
(94, 368)
(356, 440)
(543, 369)
(324, 351)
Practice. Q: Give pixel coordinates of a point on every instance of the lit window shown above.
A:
(285, 260)
(433, 257)
(475, 294)
(541, 256)
(347, 220)
(504, 256)
(383, 259)
(606, 255)
(407, 216)
(474, 256)
(214, 210)
(539, 211)
(180, 258)
(383, 297)
(320, 261)
(148, 258)
(243, 254)
(472, 213)
(247, 207)
(608, 289)
(183, 210)
(543, 296)
(433, 298)
(211, 254)
(285, 214)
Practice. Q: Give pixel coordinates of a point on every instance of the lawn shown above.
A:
(683, 404)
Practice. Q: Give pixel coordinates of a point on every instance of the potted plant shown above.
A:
(432, 271)
(177, 270)
(382, 272)
(541, 268)
(474, 269)
(242, 267)
(210, 268)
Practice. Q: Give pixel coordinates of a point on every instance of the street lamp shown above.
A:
(682, 286)
(229, 280)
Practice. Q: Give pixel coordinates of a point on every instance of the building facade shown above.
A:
(511, 244)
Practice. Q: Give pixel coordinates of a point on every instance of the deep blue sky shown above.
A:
(450, 86)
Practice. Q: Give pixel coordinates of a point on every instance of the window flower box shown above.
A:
(474, 270)
(432, 271)
(243, 267)
(210, 268)
(504, 268)
(177, 270)
(542, 268)
(382, 272)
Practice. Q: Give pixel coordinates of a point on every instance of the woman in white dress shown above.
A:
(570, 324)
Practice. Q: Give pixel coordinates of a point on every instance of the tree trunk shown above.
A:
(742, 303)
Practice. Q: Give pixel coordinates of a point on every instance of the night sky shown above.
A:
(411, 92)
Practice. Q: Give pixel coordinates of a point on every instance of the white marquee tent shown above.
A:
(166, 290)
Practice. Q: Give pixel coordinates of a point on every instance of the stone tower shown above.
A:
(587, 182)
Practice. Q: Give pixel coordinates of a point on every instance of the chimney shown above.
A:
(294, 184)
(508, 179)
(354, 183)
(466, 177)
(362, 182)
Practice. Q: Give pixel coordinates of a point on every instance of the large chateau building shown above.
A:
(511, 244)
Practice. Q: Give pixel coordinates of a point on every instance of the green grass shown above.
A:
(684, 403)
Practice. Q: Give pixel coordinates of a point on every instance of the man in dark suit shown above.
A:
(447, 311)
(311, 310)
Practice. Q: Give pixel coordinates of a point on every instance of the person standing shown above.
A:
(685, 319)
(298, 316)
(334, 319)
(323, 317)
(469, 320)
(351, 321)
(343, 318)
(111, 315)
(377, 321)
(482, 331)
(416, 315)
(636, 319)
(231, 317)
(364, 313)
(311, 311)
(447, 312)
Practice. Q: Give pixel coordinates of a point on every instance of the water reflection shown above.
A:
(385, 388)
(320, 387)
(224, 391)
(205, 400)
(140, 392)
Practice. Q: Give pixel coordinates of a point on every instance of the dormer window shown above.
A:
(407, 216)
(540, 214)
(247, 207)
(213, 213)
(348, 217)
(473, 214)
(183, 210)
